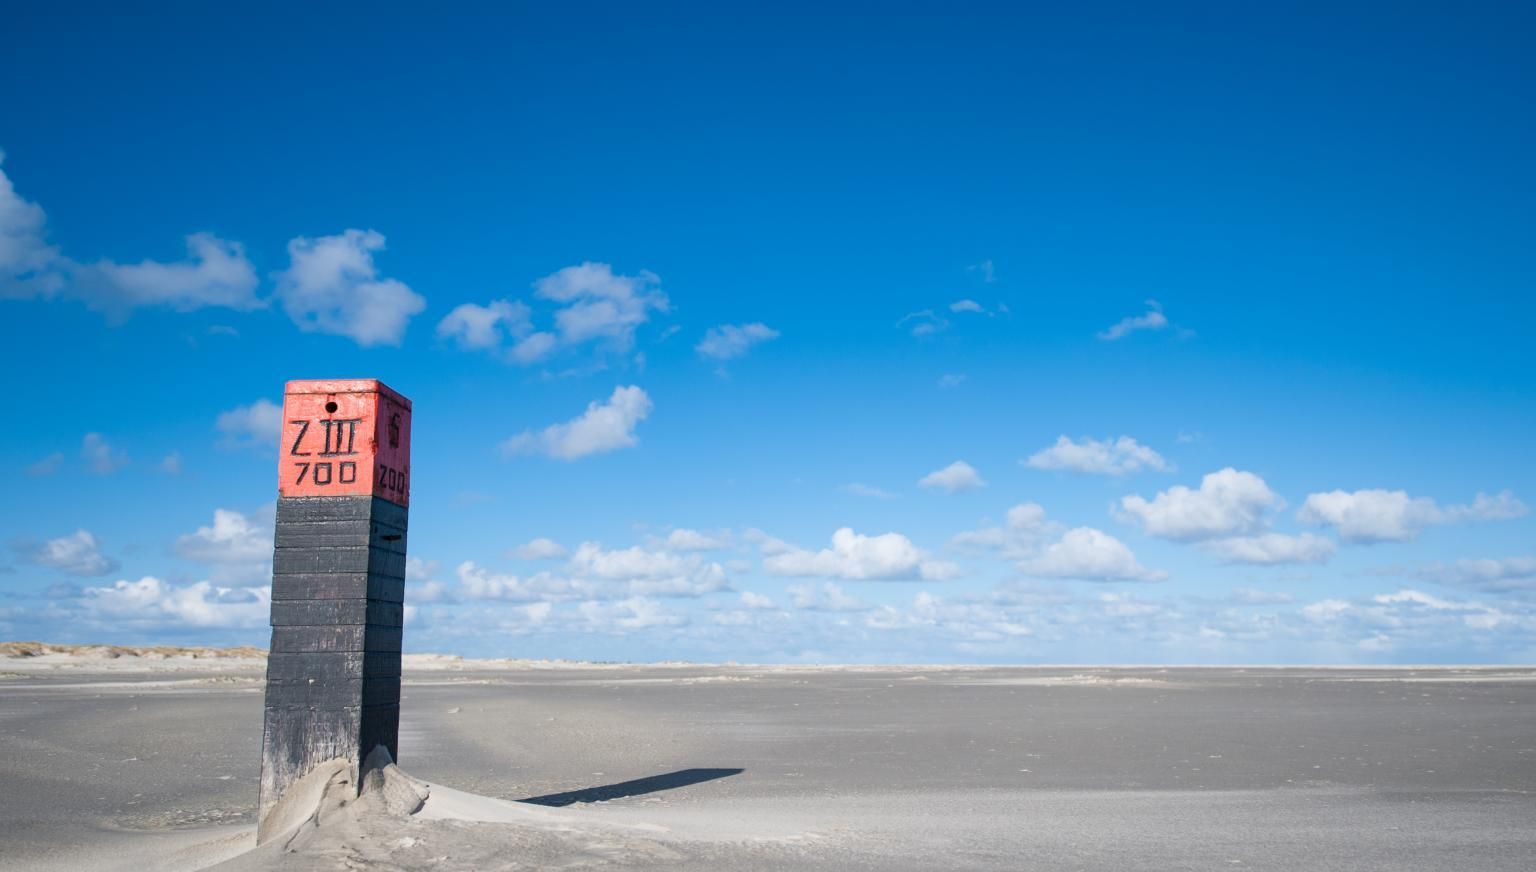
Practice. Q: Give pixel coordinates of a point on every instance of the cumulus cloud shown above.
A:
(956, 477)
(1384, 622)
(1273, 548)
(156, 604)
(1087, 554)
(1252, 596)
(966, 306)
(258, 424)
(215, 273)
(825, 597)
(233, 538)
(730, 341)
(487, 327)
(648, 572)
(601, 304)
(539, 549)
(27, 262)
(1108, 457)
(1023, 528)
(76, 554)
(1377, 515)
(100, 456)
(856, 557)
(333, 286)
(750, 600)
(1152, 319)
(478, 583)
(1228, 503)
(635, 613)
(603, 427)
(684, 539)
(593, 305)
(1490, 575)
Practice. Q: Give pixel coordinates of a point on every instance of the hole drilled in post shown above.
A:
(330, 407)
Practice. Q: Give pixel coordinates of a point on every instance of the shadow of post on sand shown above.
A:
(650, 784)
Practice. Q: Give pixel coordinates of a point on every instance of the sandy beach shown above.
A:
(135, 762)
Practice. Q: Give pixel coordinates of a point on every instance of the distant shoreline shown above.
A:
(121, 656)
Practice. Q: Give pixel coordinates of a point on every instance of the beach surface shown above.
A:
(123, 761)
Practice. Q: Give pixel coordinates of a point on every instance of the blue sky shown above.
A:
(866, 333)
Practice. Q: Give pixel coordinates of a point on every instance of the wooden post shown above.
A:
(338, 581)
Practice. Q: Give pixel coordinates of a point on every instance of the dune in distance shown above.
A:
(125, 758)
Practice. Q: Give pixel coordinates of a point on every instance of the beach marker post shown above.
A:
(338, 581)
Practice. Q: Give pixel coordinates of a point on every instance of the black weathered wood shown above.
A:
(337, 585)
(294, 666)
(342, 637)
(333, 672)
(335, 612)
(290, 561)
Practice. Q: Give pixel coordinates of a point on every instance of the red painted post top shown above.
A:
(345, 437)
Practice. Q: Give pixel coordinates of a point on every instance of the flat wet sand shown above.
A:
(791, 767)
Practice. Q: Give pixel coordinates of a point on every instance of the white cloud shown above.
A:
(729, 341)
(215, 273)
(594, 304)
(923, 323)
(539, 549)
(476, 583)
(1377, 515)
(888, 557)
(683, 539)
(171, 463)
(1228, 503)
(1108, 457)
(1273, 548)
(1492, 575)
(635, 613)
(986, 270)
(951, 380)
(1089, 555)
(601, 428)
(100, 455)
(332, 286)
(1386, 621)
(77, 554)
(417, 569)
(648, 572)
(1251, 596)
(1023, 528)
(47, 466)
(155, 603)
(966, 306)
(825, 597)
(233, 538)
(27, 261)
(258, 424)
(1152, 319)
(600, 304)
(956, 477)
(865, 490)
(752, 600)
(474, 327)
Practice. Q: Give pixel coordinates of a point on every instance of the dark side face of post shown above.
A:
(338, 580)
